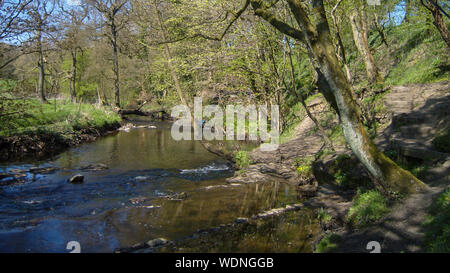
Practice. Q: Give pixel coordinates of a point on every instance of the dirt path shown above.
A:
(418, 111)
(400, 231)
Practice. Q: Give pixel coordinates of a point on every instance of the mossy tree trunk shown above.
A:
(334, 85)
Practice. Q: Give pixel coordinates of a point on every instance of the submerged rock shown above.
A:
(76, 179)
(127, 127)
(137, 200)
(17, 171)
(5, 175)
(43, 170)
(94, 167)
(241, 220)
(141, 178)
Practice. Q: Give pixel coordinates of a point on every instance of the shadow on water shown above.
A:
(154, 187)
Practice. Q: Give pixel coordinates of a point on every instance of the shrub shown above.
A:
(367, 208)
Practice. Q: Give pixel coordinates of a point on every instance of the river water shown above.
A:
(154, 187)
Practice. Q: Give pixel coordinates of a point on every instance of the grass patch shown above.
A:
(367, 208)
(323, 216)
(419, 55)
(329, 243)
(55, 116)
(437, 225)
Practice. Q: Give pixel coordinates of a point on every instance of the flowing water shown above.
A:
(154, 187)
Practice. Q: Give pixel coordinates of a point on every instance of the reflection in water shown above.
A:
(135, 200)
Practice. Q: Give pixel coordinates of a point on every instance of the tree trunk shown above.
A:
(168, 54)
(327, 141)
(115, 63)
(360, 37)
(438, 22)
(387, 175)
(73, 77)
(41, 80)
(340, 45)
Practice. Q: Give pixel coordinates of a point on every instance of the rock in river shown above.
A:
(76, 179)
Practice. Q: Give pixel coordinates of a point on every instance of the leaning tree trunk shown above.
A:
(360, 37)
(438, 22)
(387, 175)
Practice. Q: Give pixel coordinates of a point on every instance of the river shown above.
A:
(154, 187)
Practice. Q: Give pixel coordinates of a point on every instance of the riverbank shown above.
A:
(343, 209)
(39, 130)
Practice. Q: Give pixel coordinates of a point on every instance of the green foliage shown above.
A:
(437, 225)
(242, 159)
(323, 216)
(341, 178)
(442, 142)
(341, 169)
(304, 167)
(329, 243)
(367, 208)
(57, 116)
(419, 55)
(7, 85)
